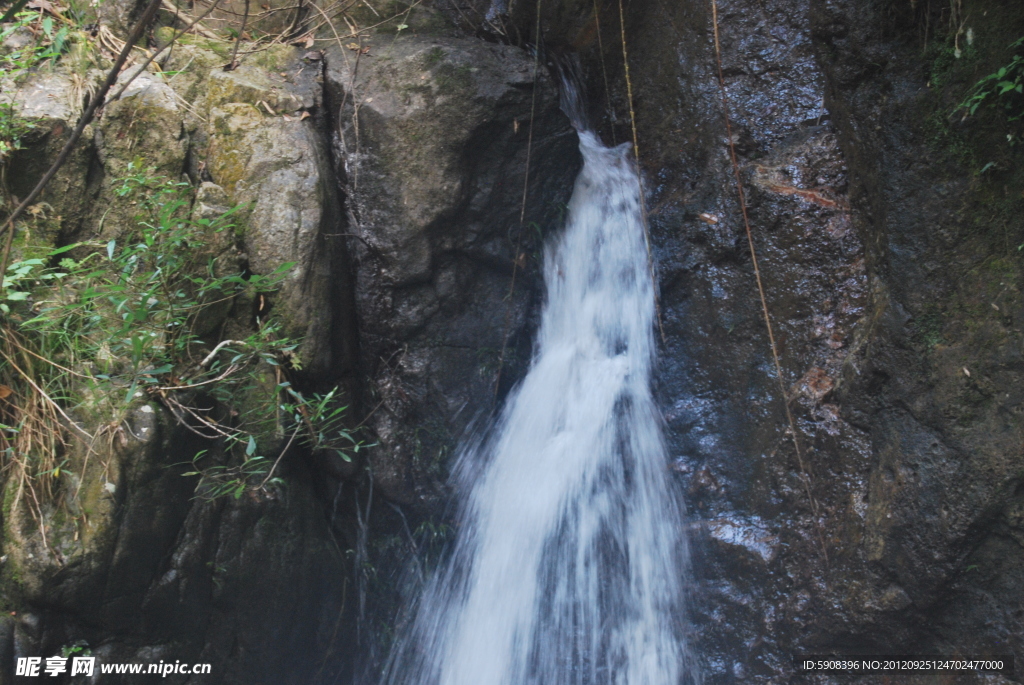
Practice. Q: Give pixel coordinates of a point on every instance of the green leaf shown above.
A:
(110, 249)
(251, 447)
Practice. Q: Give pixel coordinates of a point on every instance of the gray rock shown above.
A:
(145, 118)
(51, 102)
(431, 143)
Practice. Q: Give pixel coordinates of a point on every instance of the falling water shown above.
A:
(568, 566)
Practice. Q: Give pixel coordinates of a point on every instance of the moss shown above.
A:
(928, 327)
(276, 58)
(229, 154)
(944, 65)
(37, 235)
(163, 35)
(12, 588)
(221, 48)
(433, 444)
(11, 583)
(951, 144)
(433, 57)
(451, 79)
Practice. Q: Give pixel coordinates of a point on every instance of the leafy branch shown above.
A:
(1004, 86)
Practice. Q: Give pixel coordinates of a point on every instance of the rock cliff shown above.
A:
(385, 173)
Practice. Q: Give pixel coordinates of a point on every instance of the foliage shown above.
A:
(13, 129)
(128, 308)
(318, 424)
(97, 326)
(47, 44)
(1005, 87)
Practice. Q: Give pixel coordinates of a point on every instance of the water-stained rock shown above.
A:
(883, 251)
(432, 139)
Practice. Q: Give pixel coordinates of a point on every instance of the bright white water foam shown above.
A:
(568, 566)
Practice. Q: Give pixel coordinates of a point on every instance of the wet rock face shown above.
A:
(939, 376)
(431, 140)
(895, 305)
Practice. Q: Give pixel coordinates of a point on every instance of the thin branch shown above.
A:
(281, 455)
(87, 116)
(233, 64)
(200, 29)
(218, 348)
(230, 370)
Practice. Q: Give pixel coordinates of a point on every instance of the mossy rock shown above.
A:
(144, 123)
(229, 151)
(254, 86)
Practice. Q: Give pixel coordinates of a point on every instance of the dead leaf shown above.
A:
(44, 5)
(304, 115)
(5, 392)
(305, 41)
(966, 372)
(708, 218)
(267, 107)
(815, 384)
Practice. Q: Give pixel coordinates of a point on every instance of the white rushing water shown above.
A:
(569, 561)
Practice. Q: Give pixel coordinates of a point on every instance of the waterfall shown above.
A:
(569, 562)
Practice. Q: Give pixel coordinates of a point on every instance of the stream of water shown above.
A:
(570, 557)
